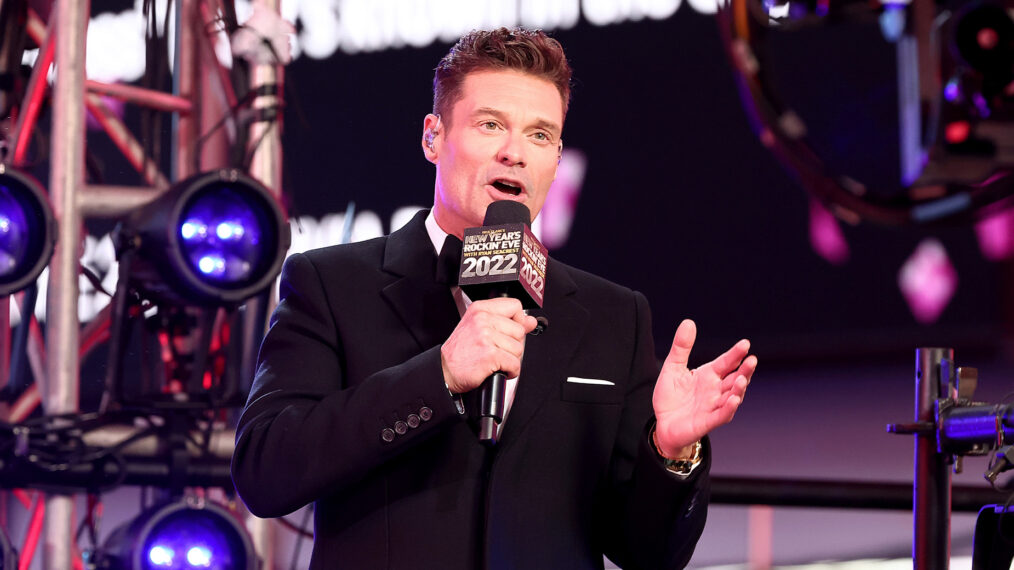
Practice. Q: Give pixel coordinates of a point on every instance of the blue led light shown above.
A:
(14, 230)
(208, 541)
(211, 265)
(199, 557)
(193, 229)
(222, 235)
(160, 555)
(229, 230)
(952, 91)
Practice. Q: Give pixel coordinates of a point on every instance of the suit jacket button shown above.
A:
(387, 435)
(400, 427)
(412, 420)
(425, 414)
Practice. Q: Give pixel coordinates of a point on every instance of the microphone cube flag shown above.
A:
(503, 260)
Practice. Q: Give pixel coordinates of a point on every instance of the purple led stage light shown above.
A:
(184, 535)
(27, 230)
(221, 236)
(191, 539)
(13, 233)
(216, 238)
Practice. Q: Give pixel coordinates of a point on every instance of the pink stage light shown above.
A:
(996, 235)
(928, 281)
(826, 237)
(557, 216)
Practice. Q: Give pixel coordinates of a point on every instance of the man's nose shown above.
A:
(511, 153)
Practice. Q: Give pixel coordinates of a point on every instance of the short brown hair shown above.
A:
(528, 51)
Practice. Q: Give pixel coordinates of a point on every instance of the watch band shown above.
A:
(683, 466)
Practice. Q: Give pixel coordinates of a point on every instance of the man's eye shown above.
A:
(542, 137)
(490, 125)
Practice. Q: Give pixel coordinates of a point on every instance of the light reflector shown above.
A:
(212, 239)
(184, 535)
(27, 230)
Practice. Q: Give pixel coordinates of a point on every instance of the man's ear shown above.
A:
(559, 158)
(430, 137)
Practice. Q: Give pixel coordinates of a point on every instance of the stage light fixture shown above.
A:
(910, 124)
(185, 535)
(216, 238)
(27, 230)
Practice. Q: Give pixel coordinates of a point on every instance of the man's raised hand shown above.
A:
(690, 403)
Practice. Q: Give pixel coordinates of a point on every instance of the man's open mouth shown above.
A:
(507, 187)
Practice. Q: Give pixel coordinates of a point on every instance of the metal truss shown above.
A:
(202, 98)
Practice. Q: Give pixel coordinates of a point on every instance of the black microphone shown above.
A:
(502, 258)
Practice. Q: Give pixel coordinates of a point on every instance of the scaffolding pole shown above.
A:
(66, 176)
(265, 166)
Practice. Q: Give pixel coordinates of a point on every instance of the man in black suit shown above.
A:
(361, 399)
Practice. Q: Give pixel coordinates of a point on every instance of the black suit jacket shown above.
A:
(349, 410)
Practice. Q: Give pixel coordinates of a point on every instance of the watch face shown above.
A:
(684, 466)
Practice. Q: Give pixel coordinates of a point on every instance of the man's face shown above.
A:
(502, 142)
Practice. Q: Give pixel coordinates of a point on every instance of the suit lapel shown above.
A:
(425, 307)
(428, 311)
(547, 355)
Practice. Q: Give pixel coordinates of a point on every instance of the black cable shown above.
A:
(120, 328)
(155, 71)
(229, 16)
(19, 370)
(233, 113)
(103, 452)
(93, 279)
(248, 157)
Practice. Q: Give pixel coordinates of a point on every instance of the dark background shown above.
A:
(680, 201)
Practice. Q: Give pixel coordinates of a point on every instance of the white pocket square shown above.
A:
(595, 381)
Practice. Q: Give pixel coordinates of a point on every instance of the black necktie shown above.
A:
(448, 272)
(449, 261)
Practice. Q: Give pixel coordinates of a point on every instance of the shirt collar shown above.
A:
(437, 235)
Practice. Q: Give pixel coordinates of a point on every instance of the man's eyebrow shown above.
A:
(549, 126)
(540, 123)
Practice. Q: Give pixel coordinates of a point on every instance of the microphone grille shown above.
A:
(507, 212)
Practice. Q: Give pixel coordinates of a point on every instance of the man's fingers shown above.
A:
(505, 314)
(748, 367)
(509, 327)
(503, 306)
(509, 364)
(510, 345)
(730, 359)
(724, 413)
(528, 322)
(745, 371)
(515, 327)
(490, 337)
(682, 343)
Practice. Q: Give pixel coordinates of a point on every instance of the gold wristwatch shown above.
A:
(683, 466)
